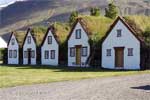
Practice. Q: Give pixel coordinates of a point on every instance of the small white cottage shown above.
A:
(50, 48)
(3, 43)
(13, 50)
(78, 45)
(29, 49)
(121, 47)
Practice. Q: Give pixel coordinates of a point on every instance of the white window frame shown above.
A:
(130, 51)
(10, 54)
(53, 54)
(72, 52)
(78, 34)
(13, 41)
(119, 32)
(14, 53)
(29, 39)
(49, 40)
(84, 51)
(46, 54)
(108, 52)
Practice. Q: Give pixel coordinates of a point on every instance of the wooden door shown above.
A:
(78, 55)
(29, 56)
(119, 57)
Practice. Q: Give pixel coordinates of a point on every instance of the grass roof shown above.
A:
(142, 21)
(39, 32)
(20, 35)
(97, 26)
(61, 31)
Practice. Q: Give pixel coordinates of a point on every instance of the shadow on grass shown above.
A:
(146, 87)
(67, 69)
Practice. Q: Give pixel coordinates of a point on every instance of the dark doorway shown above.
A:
(29, 56)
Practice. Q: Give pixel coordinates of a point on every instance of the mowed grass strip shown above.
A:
(14, 75)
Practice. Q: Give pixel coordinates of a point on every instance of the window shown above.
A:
(108, 52)
(52, 54)
(15, 54)
(29, 39)
(32, 54)
(84, 51)
(72, 52)
(10, 53)
(119, 31)
(78, 34)
(13, 42)
(130, 51)
(49, 39)
(46, 54)
(25, 54)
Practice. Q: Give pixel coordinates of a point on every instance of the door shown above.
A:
(29, 56)
(119, 57)
(78, 55)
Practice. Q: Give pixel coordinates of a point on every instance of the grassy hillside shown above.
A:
(33, 12)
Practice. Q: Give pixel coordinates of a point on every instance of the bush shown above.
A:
(112, 11)
(95, 11)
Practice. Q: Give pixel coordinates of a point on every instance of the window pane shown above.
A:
(13, 41)
(119, 32)
(29, 39)
(78, 33)
(72, 52)
(46, 54)
(108, 52)
(130, 51)
(49, 39)
(84, 51)
(52, 54)
(10, 53)
(15, 54)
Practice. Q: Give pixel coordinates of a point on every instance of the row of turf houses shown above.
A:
(119, 48)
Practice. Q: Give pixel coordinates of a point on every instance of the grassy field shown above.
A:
(13, 76)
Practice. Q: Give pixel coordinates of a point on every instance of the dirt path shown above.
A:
(136, 87)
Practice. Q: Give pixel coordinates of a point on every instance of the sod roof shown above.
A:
(96, 26)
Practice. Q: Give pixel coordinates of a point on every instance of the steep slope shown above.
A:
(22, 14)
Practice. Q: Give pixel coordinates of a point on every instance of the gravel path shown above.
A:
(136, 87)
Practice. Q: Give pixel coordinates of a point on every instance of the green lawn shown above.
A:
(14, 76)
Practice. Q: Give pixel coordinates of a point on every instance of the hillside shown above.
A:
(41, 12)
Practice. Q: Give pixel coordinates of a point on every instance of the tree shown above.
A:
(73, 17)
(95, 11)
(146, 35)
(111, 11)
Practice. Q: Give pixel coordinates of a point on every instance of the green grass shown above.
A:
(141, 21)
(14, 76)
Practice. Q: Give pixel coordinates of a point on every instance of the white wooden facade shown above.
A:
(121, 47)
(29, 49)
(78, 46)
(50, 49)
(13, 50)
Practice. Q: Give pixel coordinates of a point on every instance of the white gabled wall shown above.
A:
(3, 43)
(49, 47)
(13, 47)
(127, 40)
(26, 46)
(72, 42)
